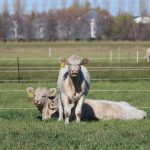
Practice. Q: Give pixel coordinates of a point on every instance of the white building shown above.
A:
(143, 20)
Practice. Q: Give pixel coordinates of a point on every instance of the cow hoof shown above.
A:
(60, 119)
(66, 122)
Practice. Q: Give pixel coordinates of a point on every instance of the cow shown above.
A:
(45, 100)
(148, 54)
(74, 84)
(91, 109)
(106, 110)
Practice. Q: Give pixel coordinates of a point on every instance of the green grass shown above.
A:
(21, 129)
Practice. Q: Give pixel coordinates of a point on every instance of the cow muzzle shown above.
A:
(74, 73)
(36, 102)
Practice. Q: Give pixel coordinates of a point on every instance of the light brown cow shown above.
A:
(97, 109)
(45, 100)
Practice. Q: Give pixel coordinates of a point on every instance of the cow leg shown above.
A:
(60, 111)
(78, 109)
(45, 113)
(67, 108)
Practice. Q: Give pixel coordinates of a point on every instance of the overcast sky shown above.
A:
(113, 5)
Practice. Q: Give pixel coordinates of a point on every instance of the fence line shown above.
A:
(33, 67)
(102, 58)
(119, 69)
(15, 90)
(17, 108)
(11, 108)
(54, 80)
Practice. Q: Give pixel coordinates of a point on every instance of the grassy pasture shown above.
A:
(21, 129)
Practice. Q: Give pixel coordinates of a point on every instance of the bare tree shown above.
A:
(44, 5)
(87, 4)
(4, 21)
(19, 7)
(5, 11)
(131, 7)
(121, 6)
(76, 3)
(53, 4)
(94, 3)
(143, 4)
(106, 4)
(19, 19)
(63, 3)
(51, 26)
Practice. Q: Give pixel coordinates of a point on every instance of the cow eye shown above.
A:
(44, 96)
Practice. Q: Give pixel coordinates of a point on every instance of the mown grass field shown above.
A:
(21, 128)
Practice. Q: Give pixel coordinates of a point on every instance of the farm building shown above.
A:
(143, 20)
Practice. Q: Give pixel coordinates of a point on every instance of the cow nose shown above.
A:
(74, 71)
(35, 102)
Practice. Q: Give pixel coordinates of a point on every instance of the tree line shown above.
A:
(71, 23)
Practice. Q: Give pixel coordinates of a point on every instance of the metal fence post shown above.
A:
(18, 69)
(118, 54)
(137, 56)
(110, 56)
(49, 52)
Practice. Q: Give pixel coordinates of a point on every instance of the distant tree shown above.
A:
(4, 21)
(19, 7)
(53, 4)
(121, 26)
(131, 7)
(19, 18)
(76, 3)
(106, 5)
(87, 4)
(63, 4)
(143, 4)
(121, 6)
(5, 10)
(51, 26)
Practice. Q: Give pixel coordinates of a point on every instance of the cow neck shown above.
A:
(76, 83)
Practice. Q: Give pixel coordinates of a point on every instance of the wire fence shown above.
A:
(100, 79)
(105, 90)
(11, 108)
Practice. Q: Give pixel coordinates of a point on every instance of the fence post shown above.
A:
(118, 54)
(110, 56)
(137, 56)
(18, 69)
(49, 52)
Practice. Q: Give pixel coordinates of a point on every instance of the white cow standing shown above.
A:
(148, 54)
(74, 84)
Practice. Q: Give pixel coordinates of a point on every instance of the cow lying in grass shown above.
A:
(45, 100)
(73, 83)
(91, 109)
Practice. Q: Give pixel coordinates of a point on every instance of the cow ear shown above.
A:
(85, 61)
(52, 92)
(30, 91)
(62, 60)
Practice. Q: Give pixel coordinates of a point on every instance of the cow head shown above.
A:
(74, 64)
(41, 95)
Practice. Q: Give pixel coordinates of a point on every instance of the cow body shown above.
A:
(106, 110)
